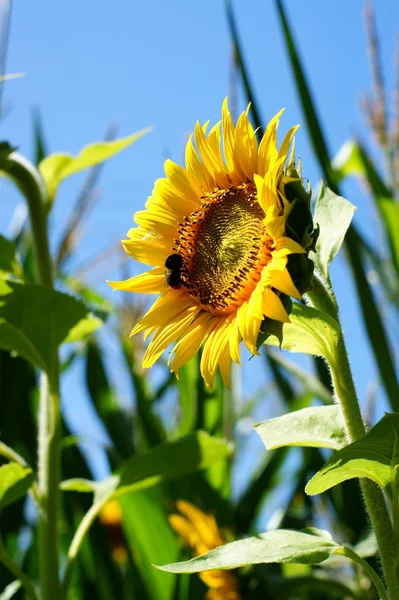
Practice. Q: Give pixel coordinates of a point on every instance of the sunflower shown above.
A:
(217, 228)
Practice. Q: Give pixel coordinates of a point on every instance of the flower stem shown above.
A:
(374, 498)
(30, 183)
(345, 393)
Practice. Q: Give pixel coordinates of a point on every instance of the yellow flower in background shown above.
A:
(218, 229)
(111, 517)
(200, 532)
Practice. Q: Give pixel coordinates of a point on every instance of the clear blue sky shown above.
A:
(166, 64)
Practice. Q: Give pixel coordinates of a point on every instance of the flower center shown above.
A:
(224, 247)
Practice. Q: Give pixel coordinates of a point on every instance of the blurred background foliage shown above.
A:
(245, 492)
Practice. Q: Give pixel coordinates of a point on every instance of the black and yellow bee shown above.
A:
(172, 274)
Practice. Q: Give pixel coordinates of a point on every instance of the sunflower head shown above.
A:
(228, 237)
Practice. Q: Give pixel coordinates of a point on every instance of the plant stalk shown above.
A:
(373, 495)
(346, 396)
(30, 183)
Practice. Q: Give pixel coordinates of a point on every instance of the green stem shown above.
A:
(18, 574)
(77, 541)
(346, 396)
(30, 183)
(344, 551)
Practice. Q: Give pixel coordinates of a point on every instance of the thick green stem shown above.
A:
(28, 180)
(346, 396)
(373, 495)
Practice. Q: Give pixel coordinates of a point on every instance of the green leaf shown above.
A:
(333, 214)
(56, 167)
(390, 213)
(14, 483)
(348, 161)
(79, 484)
(315, 427)
(8, 259)
(353, 159)
(35, 320)
(150, 539)
(278, 546)
(370, 457)
(310, 331)
(172, 460)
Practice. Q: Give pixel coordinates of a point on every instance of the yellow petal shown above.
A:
(196, 169)
(169, 198)
(285, 245)
(208, 157)
(275, 223)
(214, 143)
(285, 146)
(185, 529)
(225, 366)
(182, 181)
(255, 302)
(190, 343)
(249, 327)
(151, 282)
(282, 281)
(170, 304)
(167, 334)
(147, 251)
(273, 307)
(228, 136)
(267, 154)
(157, 220)
(220, 342)
(245, 146)
(235, 339)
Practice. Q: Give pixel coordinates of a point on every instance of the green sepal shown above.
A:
(299, 224)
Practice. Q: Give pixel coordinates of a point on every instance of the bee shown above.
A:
(172, 274)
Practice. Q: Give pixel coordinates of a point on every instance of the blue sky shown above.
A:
(167, 64)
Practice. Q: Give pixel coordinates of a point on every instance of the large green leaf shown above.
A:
(35, 320)
(375, 456)
(278, 546)
(316, 427)
(310, 331)
(56, 167)
(333, 214)
(8, 260)
(15, 481)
